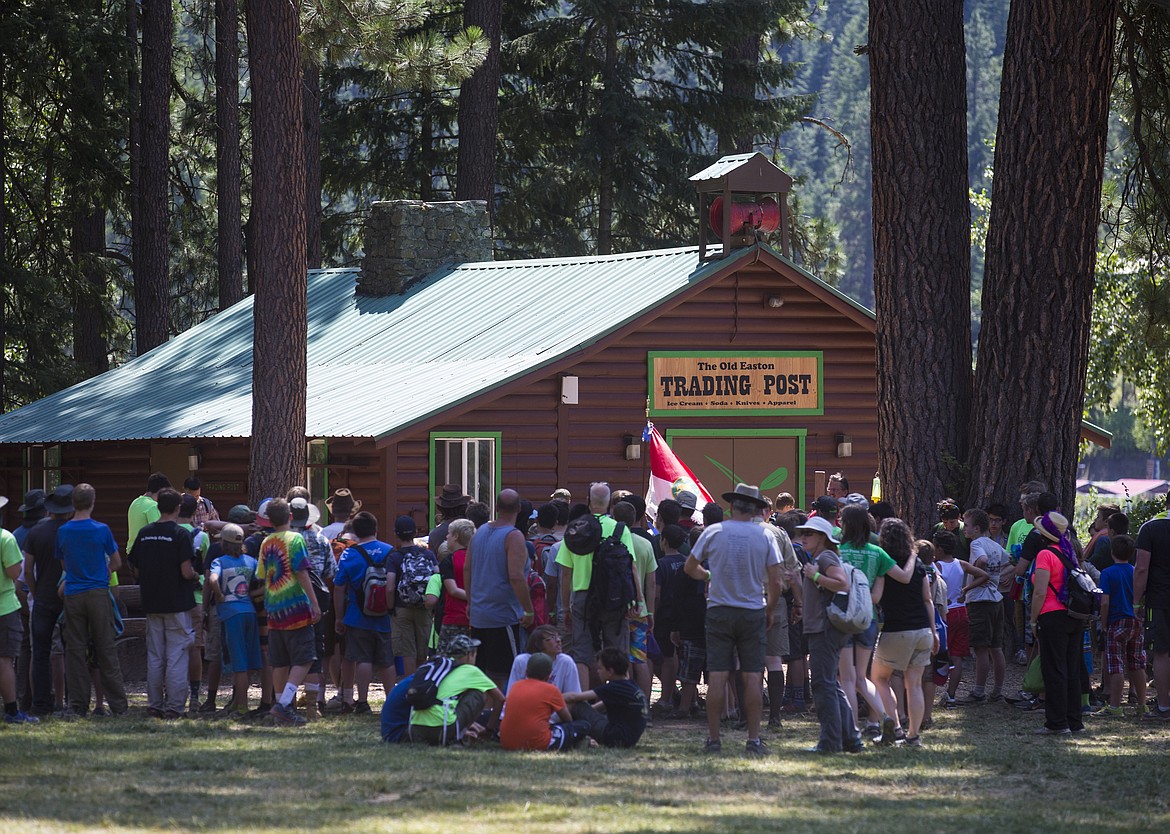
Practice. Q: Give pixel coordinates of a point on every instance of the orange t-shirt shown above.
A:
(529, 705)
(1049, 561)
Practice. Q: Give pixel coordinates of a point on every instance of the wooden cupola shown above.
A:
(757, 192)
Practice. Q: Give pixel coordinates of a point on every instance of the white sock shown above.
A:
(286, 697)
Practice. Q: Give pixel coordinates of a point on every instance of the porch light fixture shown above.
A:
(633, 447)
(844, 446)
(193, 458)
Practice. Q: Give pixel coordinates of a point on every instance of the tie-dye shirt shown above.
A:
(281, 556)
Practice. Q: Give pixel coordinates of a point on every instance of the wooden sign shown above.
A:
(731, 383)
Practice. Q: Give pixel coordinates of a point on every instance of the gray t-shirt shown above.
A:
(815, 600)
(738, 554)
(986, 554)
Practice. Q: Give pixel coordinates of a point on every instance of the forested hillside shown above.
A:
(834, 179)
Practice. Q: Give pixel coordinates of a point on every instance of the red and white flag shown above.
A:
(669, 476)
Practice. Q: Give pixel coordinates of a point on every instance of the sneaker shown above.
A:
(173, 715)
(21, 717)
(756, 747)
(259, 713)
(947, 702)
(66, 714)
(994, 697)
(822, 751)
(361, 707)
(1157, 714)
(973, 699)
(1021, 658)
(284, 716)
(1048, 731)
(774, 723)
(713, 745)
(207, 707)
(872, 731)
(889, 732)
(154, 713)
(336, 706)
(100, 712)
(854, 746)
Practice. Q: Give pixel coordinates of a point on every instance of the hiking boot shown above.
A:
(284, 716)
(21, 717)
(756, 747)
(713, 745)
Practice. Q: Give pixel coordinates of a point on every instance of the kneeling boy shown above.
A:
(624, 720)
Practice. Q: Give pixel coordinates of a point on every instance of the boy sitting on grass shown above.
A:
(622, 700)
(1125, 651)
(531, 702)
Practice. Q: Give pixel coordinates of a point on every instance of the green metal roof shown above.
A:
(376, 364)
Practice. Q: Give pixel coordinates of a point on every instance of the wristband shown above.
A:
(528, 614)
(816, 578)
(708, 576)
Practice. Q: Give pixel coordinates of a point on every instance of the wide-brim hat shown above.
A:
(300, 508)
(1051, 525)
(34, 500)
(451, 497)
(854, 499)
(689, 501)
(819, 524)
(343, 498)
(61, 501)
(744, 492)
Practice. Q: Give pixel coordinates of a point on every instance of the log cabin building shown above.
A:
(433, 364)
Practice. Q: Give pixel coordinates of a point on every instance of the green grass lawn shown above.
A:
(981, 770)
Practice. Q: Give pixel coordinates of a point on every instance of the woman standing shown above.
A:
(823, 577)
(908, 637)
(1059, 634)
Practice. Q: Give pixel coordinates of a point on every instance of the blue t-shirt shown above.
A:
(84, 547)
(235, 575)
(350, 572)
(396, 712)
(1117, 581)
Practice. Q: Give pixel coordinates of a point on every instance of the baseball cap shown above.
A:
(404, 527)
(826, 505)
(241, 514)
(854, 499)
(561, 494)
(262, 513)
(231, 533)
(461, 644)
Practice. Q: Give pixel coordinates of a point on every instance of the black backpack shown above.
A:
(583, 535)
(423, 692)
(1084, 597)
(611, 587)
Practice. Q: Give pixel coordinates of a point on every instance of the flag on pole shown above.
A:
(668, 475)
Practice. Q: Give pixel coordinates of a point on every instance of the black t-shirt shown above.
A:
(1154, 536)
(625, 710)
(665, 614)
(41, 543)
(1033, 543)
(157, 554)
(902, 605)
(689, 605)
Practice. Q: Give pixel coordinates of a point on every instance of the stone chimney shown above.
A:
(408, 239)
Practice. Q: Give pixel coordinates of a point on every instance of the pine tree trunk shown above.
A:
(606, 166)
(1041, 248)
(312, 104)
(921, 233)
(478, 96)
(739, 83)
(152, 219)
(89, 324)
(3, 238)
(229, 235)
(277, 244)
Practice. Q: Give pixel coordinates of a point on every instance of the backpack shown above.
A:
(611, 587)
(1084, 597)
(851, 611)
(372, 593)
(583, 535)
(423, 692)
(418, 566)
(540, 545)
(538, 593)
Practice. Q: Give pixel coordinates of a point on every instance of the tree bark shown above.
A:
(478, 96)
(277, 244)
(89, 321)
(921, 238)
(739, 83)
(152, 219)
(606, 165)
(312, 104)
(1041, 248)
(229, 235)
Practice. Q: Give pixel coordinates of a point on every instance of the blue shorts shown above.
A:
(241, 640)
(866, 639)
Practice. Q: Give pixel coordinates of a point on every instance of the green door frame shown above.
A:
(801, 436)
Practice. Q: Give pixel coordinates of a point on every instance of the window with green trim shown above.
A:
(469, 462)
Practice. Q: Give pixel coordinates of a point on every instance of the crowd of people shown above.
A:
(545, 627)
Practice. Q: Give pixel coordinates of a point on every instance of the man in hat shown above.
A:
(451, 504)
(1151, 583)
(33, 509)
(464, 695)
(11, 626)
(341, 505)
(561, 494)
(42, 572)
(744, 580)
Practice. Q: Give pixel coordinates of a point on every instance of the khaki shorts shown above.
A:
(197, 621)
(902, 649)
(212, 638)
(410, 631)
